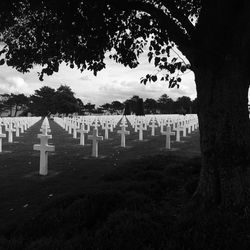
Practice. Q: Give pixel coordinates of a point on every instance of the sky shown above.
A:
(116, 82)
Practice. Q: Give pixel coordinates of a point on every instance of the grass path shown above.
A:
(71, 169)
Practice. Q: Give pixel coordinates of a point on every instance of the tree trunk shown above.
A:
(224, 137)
(16, 109)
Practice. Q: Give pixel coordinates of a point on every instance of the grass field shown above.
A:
(126, 199)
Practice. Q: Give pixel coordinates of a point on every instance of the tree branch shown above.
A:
(174, 31)
(178, 14)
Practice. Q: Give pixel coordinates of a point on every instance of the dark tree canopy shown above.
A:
(183, 104)
(65, 101)
(150, 105)
(91, 28)
(13, 102)
(116, 105)
(89, 107)
(42, 102)
(166, 104)
(48, 101)
(134, 105)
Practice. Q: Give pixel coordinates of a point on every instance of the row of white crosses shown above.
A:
(15, 124)
(85, 124)
(44, 147)
(175, 124)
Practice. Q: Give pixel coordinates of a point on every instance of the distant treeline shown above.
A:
(46, 101)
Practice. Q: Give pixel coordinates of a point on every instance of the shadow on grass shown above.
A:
(136, 206)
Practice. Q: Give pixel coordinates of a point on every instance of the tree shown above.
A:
(134, 105)
(165, 104)
(42, 103)
(183, 105)
(14, 103)
(80, 105)
(140, 107)
(65, 102)
(194, 106)
(19, 102)
(3, 100)
(150, 105)
(127, 110)
(89, 107)
(48, 101)
(106, 107)
(117, 106)
(218, 56)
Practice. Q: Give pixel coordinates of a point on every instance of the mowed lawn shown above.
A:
(143, 167)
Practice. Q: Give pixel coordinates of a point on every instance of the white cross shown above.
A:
(111, 127)
(17, 126)
(25, 125)
(82, 132)
(123, 133)
(184, 130)
(70, 127)
(45, 130)
(22, 127)
(123, 122)
(75, 130)
(162, 123)
(1, 138)
(44, 148)
(44, 133)
(64, 123)
(141, 128)
(106, 129)
(168, 134)
(136, 126)
(95, 138)
(177, 129)
(189, 126)
(88, 125)
(10, 131)
(153, 127)
(95, 124)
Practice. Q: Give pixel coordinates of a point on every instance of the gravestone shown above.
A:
(44, 148)
(106, 129)
(82, 132)
(141, 128)
(177, 129)
(123, 132)
(168, 134)
(1, 138)
(10, 131)
(153, 126)
(95, 139)
(17, 126)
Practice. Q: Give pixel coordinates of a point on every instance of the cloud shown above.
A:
(14, 84)
(116, 82)
(85, 78)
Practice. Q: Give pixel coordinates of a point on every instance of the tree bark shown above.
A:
(224, 136)
(15, 111)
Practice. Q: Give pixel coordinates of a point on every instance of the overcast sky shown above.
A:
(116, 82)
